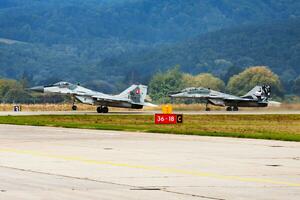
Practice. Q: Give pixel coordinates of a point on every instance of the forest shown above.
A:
(164, 83)
(107, 45)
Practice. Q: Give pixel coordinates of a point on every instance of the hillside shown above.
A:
(276, 45)
(108, 44)
(56, 21)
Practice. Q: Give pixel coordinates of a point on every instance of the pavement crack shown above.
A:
(192, 195)
(146, 188)
(132, 187)
(273, 165)
(66, 176)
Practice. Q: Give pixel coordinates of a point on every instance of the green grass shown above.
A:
(275, 127)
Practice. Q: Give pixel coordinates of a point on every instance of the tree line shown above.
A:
(239, 84)
(163, 83)
(16, 91)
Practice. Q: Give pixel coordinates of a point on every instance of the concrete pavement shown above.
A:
(58, 163)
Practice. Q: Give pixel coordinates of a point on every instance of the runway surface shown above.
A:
(58, 163)
(243, 112)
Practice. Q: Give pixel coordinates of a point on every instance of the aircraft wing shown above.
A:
(227, 99)
(107, 98)
(116, 99)
(213, 96)
(201, 96)
(239, 99)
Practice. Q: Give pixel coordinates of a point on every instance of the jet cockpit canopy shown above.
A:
(194, 90)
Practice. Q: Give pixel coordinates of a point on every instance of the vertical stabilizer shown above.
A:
(262, 93)
(136, 93)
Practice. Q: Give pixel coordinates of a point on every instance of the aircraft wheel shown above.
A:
(207, 109)
(235, 108)
(229, 108)
(74, 107)
(105, 109)
(99, 109)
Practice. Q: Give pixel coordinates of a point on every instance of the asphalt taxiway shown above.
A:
(242, 112)
(58, 163)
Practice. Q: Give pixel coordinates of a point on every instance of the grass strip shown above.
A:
(275, 127)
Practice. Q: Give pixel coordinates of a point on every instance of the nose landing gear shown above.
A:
(206, 107)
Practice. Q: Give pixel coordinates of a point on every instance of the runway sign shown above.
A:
(17, 108)
(179, 118)
(168, 118)
(167, 109)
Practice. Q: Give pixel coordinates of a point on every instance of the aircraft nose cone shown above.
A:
(172, 94)
(175, 95)
(38, 89)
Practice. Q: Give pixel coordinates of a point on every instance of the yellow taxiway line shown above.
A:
(149, 168)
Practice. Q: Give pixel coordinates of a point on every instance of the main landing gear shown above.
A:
(102, 109)
(74, 107)
(232, 108)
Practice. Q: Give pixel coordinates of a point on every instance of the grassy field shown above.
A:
(276, 127)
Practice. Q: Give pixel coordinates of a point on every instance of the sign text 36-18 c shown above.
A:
(168, 118)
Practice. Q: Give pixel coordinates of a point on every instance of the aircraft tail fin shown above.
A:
(262, 93)
(136, 93)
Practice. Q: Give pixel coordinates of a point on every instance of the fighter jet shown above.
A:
(133, 97)
(257, 97)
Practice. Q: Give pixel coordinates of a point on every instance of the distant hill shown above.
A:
(276, 45)
(115, 42)
(59, 21)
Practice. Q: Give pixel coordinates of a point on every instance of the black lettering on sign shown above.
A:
(179, 119)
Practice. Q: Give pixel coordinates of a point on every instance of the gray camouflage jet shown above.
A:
(257, 97)
(133, 97)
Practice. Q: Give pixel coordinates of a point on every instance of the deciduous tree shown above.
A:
(241, 83)
(203, 80)
(163, 83)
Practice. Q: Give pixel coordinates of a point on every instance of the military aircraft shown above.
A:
(133, 97)
(257, 97)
